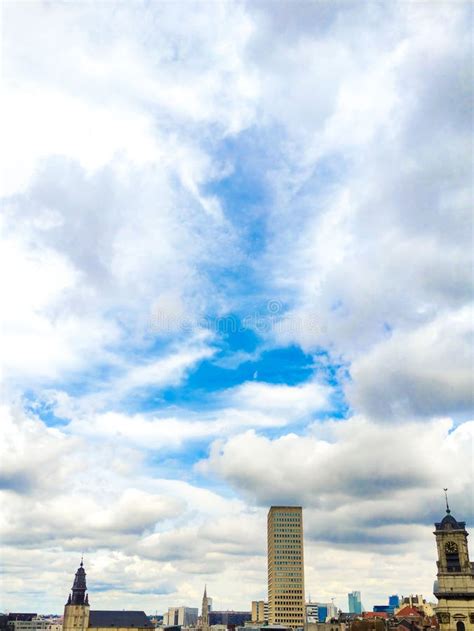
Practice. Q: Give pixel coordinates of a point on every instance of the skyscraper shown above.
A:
(355, 604)
(286, 605)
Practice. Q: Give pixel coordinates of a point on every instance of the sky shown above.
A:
(236, 271)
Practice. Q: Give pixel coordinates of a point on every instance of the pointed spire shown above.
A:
(78, 593)
(446, 497)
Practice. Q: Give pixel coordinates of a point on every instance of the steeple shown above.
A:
(78, 594)
(447, 504)
(205, 611)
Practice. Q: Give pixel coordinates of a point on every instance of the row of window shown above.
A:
(286, 598)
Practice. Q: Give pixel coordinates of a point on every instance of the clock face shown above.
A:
(451, 547)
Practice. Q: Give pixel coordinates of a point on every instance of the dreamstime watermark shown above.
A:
(274, 318)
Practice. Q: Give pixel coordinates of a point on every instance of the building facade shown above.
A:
(454, 587)
(229, 618)
(180, 616)
(286, 602)
(354, 601)
(37, 623)
(259, 611)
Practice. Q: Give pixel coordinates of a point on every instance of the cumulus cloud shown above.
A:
(425, 370)
(126, 136)
(356, 475)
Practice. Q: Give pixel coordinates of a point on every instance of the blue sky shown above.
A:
(236, 272)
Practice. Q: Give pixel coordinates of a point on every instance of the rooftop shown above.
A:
(119, 619)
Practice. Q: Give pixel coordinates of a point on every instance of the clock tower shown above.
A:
(454, 588)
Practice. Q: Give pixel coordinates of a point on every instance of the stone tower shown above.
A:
(76, 610)
(454, 588)
(205, 611)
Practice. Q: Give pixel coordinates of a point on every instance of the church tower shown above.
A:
(454, 588)
(76, 610)
(205, 611)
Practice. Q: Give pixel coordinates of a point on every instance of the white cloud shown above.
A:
(289, 402)
(349, 464)
(423, 371)
(112, 122)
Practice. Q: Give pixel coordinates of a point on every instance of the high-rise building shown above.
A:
(454, 588)
(286, 602)
(355, 604)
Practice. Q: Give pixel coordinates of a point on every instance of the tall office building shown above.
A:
(355, 604)
(286, 602)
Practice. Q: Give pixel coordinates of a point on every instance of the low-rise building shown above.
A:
(229, 618)
(30, 622)
(181, 616)
(259, 611)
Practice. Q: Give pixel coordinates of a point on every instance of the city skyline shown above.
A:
(280, 538)
(236, 254)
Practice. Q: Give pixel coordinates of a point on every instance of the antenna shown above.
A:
(446, 497)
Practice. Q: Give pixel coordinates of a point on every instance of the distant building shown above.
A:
(286, 602)
(79, 617)
(320, 612)
(312, 613)
(229, 618)
(29, 622)
(181, 616)
(417, 601)
(382, 615)
(259, 611)
(394, 601)
(324, 626)
(355, 603)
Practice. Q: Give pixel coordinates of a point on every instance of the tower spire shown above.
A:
(446, 498)
(78, 594)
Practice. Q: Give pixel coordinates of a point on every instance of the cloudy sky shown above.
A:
(235, 271)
